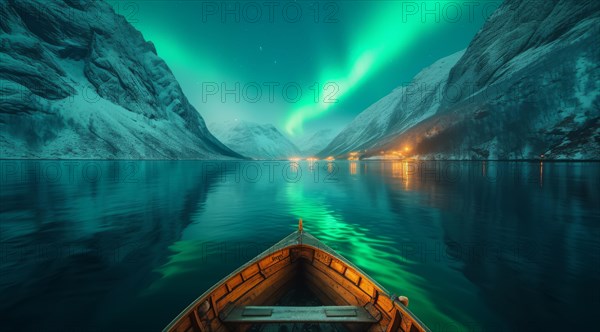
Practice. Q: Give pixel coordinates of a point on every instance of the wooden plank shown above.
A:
(250, 271)
(394, 324)
(367, 286)
(273, 293)
(385, 303)
(343, 282)
(213, 305)
(333, 288)
(405, 325)
(307, 254)
(274, 268)
(234, 295)
(337, 312)
(216, 325)
(220, 292)
(316, 287)
(257, 311)
(210, 315)
(268, 290)
(323, 257)
(184, 324)
(337, 266)
(273, 258)
(319, 314)
(234, 281)
(351, 275)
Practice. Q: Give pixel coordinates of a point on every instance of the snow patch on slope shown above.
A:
(257, 141)
(311, 143)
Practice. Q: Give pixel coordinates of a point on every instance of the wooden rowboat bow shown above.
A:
(297, 281)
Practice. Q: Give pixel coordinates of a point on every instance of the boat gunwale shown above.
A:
(383, 290)
(274, 248)
(295, 239)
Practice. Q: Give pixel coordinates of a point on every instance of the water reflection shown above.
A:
(397, 169)
(541, 174)
(473, 245)
(375, 252)
(505, 235)
(330, 167)
(403, 170)
(294, 167)
(79, 242)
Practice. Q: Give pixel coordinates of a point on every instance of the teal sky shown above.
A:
(341, 56)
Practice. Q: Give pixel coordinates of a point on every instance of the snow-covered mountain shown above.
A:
(527, 85)
(399, 110)
(257, 141)
(312, 142)
(78, 81)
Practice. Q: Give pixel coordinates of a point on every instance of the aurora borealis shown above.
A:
(304, 65)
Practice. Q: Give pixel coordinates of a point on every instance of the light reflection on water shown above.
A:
(473, 245)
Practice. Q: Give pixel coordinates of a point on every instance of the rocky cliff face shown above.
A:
(78, 81)
(527, 86)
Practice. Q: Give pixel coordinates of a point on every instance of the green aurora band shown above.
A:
(391, 31)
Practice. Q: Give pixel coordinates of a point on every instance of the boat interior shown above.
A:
(297, 285)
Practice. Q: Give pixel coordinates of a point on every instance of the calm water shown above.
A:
(475, 246)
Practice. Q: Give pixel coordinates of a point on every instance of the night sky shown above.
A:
(341, 56)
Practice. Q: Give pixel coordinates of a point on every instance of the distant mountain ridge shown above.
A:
(253, 140)
(527, 87)
(313, 142)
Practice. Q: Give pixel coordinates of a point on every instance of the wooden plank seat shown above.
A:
(289, 314)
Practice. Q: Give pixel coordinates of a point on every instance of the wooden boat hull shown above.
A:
(298, 258)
